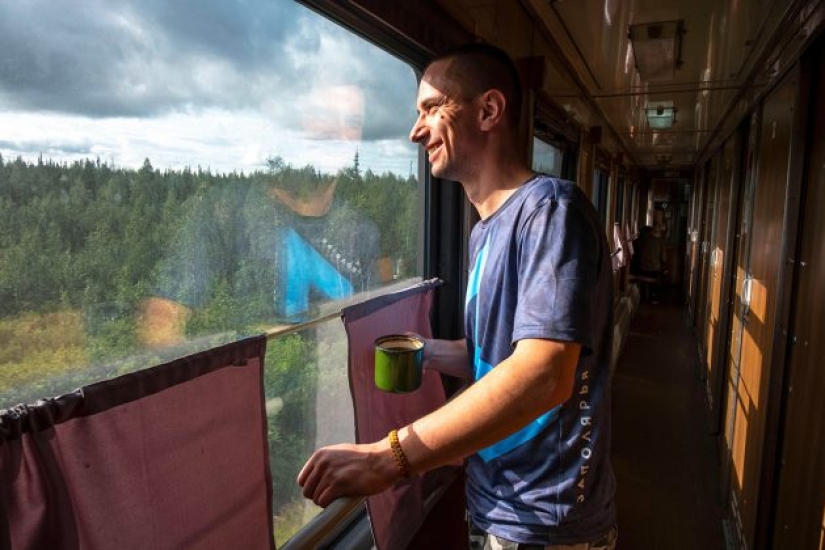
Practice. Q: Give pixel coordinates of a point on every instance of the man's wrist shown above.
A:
(384, 463)
(400, 457)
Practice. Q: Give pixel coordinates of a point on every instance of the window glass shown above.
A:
(618, 213)
(600, 190)
(174, 176)
(547, 158)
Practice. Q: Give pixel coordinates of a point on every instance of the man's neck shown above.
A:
(490, 191)
(313, 206)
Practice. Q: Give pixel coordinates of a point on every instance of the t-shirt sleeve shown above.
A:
(558, 270)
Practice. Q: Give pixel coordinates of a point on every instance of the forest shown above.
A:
(88, 233)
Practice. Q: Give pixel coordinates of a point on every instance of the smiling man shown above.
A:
(534, 425)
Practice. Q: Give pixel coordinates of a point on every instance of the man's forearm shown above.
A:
(536, 378)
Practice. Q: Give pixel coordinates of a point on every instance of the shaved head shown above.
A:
(473, 69)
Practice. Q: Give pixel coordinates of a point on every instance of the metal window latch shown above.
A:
(747, 286)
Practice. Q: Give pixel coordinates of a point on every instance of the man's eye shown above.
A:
(433, 109)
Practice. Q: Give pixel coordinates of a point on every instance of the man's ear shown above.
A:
(493, 104)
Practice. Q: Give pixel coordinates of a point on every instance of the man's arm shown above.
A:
(537, 377)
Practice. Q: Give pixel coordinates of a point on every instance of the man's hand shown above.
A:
(348, 470)
(447, 357)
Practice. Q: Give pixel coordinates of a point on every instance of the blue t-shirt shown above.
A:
(541, 269)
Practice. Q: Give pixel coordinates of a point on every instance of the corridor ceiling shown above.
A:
(726, 54)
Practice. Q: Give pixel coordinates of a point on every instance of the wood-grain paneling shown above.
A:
(705, 232)
(707, 319)
(801, 486)
(721, 244)
(751, 392)
(697, 208)
(740, 274)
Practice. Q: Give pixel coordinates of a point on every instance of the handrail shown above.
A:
(333, 309)
(325, 524)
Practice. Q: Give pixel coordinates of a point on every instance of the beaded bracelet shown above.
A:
(398, 453)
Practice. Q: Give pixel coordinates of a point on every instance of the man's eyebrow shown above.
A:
(432, 101)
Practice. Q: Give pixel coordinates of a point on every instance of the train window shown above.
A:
(547, 158)
(600, 191)
(173, 177)
(618, 213)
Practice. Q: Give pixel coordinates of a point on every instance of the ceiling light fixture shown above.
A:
(657, 48)
(661, 115)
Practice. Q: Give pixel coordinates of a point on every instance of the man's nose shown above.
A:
(417, 133)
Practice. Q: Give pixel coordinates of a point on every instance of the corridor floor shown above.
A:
(665, 457)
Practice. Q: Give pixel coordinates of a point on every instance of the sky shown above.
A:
(216, 84)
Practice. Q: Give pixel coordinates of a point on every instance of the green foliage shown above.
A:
(392, 203)
(82, 234)
(302, 183)
(290, 380)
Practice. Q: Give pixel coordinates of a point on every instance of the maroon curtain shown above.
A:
(174, 456)
(398, 513)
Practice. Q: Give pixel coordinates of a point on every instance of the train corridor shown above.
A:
(664, 455)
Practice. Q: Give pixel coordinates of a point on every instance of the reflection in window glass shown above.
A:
(197, 180)
(546, 158)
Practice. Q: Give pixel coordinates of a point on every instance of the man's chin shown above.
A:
(441, 172)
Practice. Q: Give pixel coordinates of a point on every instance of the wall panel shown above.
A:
(801, 487)
(722, 244)
(751, 392)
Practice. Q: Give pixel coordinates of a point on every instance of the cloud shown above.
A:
(125, 63)
(121, 58)
(51, 148)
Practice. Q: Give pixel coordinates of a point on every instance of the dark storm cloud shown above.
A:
(144, 58)
(124, 58)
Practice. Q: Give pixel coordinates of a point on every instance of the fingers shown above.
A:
(345, 470)
(325, 497)
(308, 478)
(319, 478)
(316, 477)
(305, 471)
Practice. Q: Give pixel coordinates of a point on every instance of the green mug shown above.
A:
(399, 360)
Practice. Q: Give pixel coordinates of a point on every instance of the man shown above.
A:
(534, 427)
